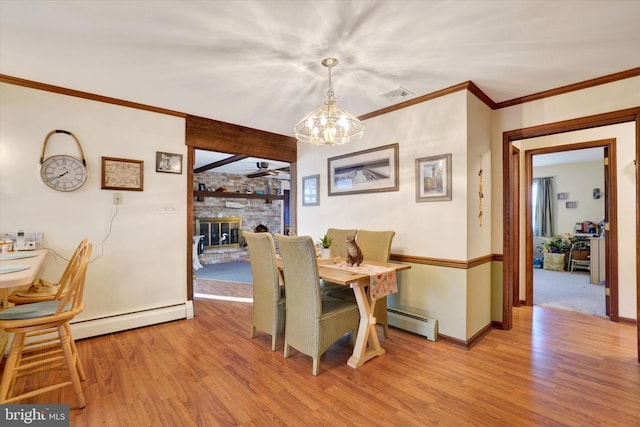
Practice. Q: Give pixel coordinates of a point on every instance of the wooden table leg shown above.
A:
(367, 345)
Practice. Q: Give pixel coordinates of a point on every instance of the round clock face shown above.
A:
(63, 173)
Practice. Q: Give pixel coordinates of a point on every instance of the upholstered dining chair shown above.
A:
(268, 292)
(42, 338)
(376, 246)
(338, 249)
(313, 323)
(37, 293)
(338, 246)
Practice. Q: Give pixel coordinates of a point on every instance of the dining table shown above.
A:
(359, 278)
(17, 269)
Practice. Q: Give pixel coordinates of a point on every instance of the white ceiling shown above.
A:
(256, 63)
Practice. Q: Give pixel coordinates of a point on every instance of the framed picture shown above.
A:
(433, 178)
(368, 171)
(122, 174)
(311, 190)
(571, 205)
(562, 196)
(168, 162)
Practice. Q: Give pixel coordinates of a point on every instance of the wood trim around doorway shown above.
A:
(605, 119)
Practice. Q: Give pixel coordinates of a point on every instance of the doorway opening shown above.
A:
(568, 207)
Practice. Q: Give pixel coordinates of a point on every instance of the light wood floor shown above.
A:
(552, 368)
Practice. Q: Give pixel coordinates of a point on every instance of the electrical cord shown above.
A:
(115, 213)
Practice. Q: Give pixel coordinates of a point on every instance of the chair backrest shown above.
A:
(301, 278)
(68, 270)
(375, 245)
(266, 276)
(71, 296)
(338, 247)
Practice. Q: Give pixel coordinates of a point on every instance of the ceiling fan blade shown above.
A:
(258, 174)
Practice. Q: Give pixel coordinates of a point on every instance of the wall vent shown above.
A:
(413, 322)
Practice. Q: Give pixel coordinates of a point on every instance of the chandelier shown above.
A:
(329, 124)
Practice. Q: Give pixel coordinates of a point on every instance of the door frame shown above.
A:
(610, 210)
(611, 118)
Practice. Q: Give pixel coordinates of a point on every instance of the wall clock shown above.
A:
(63, 172)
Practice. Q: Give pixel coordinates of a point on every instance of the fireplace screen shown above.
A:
(219, 232)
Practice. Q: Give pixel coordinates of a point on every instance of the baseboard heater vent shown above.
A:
(413, 322)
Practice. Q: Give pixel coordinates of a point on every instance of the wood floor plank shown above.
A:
(553, 368)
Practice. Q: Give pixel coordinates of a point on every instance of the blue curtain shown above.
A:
(543, 213)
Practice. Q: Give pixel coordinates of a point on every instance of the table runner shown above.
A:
(382, 280)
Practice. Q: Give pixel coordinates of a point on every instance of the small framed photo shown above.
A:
(122, 174)
(311, 190)
(562, 196)
(168, 162)
(571, 205)
(433, 178)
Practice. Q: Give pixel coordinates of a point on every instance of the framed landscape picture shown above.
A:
(433, 178)
(368, 171)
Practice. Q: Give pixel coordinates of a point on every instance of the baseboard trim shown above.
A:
(122, 322)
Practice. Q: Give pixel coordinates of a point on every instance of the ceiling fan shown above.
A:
(263, 170)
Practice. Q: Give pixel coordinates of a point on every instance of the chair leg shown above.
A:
(253, 331)
(79, 366)
(316, 366)
(286, 350)
(274, 344)
(9, 374)
(65, 339)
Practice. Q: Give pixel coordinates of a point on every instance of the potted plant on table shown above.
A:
(325, 246)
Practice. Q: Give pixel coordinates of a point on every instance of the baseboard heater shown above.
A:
(413, 322)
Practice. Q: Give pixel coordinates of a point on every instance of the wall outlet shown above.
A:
(117, 198)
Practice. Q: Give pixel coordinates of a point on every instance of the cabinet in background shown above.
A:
(597, 257)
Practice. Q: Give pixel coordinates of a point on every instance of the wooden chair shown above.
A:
(42, 338)
(313, 323)
(268, 294)
(579, 255)
(25, 297)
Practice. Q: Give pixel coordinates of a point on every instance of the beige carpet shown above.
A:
(568, 291)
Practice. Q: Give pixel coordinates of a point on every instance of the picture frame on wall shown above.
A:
(562, 196)
(433, 178)
(168, 162)
(311, 190)
(122, 174)
(571, 205)
(367, 171)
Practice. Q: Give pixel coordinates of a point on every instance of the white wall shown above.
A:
(139, 254)
(429, 229)
(577, 180)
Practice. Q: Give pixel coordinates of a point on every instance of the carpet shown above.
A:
(237, 271)
(568, 291)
